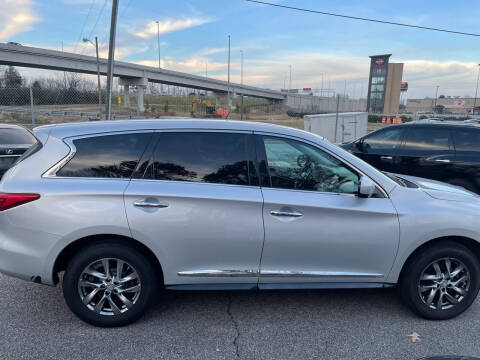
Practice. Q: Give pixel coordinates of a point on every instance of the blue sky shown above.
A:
(194, 35)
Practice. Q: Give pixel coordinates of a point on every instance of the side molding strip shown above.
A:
(277, 273)
(219, 273)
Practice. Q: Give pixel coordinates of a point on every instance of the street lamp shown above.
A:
(241, 82)
(158, 40)
(85, 40)
(436, 97)
(476, 92)
(228, 78)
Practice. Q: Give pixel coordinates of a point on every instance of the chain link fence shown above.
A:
(71, 97)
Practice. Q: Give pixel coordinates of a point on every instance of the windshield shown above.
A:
(401, 181)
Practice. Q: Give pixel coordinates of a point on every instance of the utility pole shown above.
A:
(290, 81)
(158, 41)
(85, 40)
(476, 92)
(436, 96)
(241, 82)
(228, 76)
(64, 74)
(111, 57)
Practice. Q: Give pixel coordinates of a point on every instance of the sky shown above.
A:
(320, 49)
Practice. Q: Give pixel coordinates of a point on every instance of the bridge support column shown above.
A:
(140, 94)
(141, 85)
(126, 96)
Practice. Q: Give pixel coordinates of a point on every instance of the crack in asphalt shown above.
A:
(235, 326)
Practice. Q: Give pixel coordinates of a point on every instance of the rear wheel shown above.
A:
(109, 284)
(441, 281)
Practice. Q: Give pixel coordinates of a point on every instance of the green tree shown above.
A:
(12, 78)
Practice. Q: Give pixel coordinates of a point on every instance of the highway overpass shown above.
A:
(129, 74)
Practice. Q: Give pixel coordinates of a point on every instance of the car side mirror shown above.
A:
(366, 188)
(359, 145)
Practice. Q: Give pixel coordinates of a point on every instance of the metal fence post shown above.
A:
(31, 106)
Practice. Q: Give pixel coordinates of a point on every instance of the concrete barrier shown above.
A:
(347, 127)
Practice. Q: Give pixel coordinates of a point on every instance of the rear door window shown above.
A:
(427, 139)
(106, 156)
(466, 139)
(209, 157)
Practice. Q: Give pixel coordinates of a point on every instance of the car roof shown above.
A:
(439, 122)
(93, 127)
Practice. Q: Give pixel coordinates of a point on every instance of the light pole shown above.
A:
(228, 78)
(476, 92)
(241, 82)
(158, 41)
(111, 56)
(98, 72)
(290, 81)
(436, 96)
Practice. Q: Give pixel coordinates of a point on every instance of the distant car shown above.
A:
(14, 141)
(447, 151)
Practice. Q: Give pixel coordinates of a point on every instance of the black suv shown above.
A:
(14, 141)
(438, 150)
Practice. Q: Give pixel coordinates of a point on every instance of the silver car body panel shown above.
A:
(213, 233)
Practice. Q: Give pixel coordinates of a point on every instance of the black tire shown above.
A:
(410, 280)
(464, 184)
(149, 283)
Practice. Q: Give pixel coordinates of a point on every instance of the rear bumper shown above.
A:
(23, 253)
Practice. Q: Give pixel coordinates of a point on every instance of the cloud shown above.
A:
(16, 16)
(170, 25)
(192, 65)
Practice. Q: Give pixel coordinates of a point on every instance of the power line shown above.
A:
(84, 23)
(98, 18)
(364, 19)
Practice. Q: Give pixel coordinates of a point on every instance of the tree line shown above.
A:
(71, 88)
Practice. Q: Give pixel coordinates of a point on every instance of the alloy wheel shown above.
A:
(444, 283)
(109, 286)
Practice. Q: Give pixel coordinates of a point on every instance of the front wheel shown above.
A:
(109, 284)
(441, 281)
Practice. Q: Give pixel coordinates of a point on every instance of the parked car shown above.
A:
(447, 151)
(128, 207)
(14, 141)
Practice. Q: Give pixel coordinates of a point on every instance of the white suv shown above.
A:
(128, 207)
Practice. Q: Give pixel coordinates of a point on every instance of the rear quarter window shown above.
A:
(106, 156)
(466, 139)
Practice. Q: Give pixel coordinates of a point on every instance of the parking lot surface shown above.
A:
(355, 324)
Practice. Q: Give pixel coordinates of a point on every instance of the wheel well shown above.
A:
(67, 254)
(471, 244)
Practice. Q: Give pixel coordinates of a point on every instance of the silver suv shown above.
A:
(128, 208)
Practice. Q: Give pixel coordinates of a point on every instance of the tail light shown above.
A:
(8, 201)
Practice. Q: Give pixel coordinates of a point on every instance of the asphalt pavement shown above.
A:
(35, 323)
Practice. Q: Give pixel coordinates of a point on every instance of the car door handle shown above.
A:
(386, 157)
(281, 213)
(150, 204)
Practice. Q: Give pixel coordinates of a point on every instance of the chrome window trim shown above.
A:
(379, 187)
(51, 173)
(5, 156)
